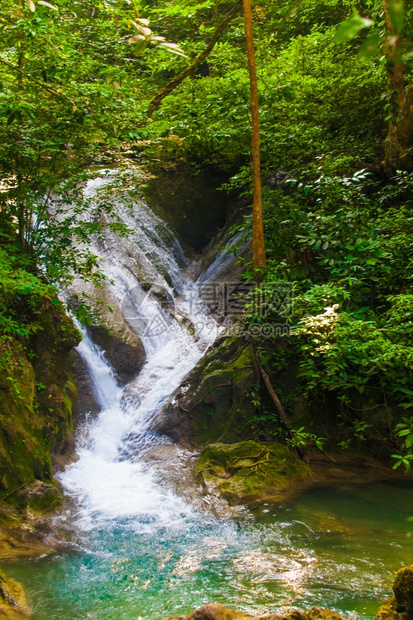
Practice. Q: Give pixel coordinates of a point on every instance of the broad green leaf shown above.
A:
(351, 27)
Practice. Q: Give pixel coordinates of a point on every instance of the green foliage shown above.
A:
(302, 438)
(21, 296)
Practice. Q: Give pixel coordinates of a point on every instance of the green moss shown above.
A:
(250, 471)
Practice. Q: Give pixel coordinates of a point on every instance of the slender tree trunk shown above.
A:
(267, 382)
(174, 83)
(258, 245)
(399, 139)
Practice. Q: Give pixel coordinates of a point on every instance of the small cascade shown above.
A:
(106, 389)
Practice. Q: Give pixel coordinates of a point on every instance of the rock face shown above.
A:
(249, 471)
(13, 605)
(399, 606)
(214, 403)
(215, 611)
(36, 392)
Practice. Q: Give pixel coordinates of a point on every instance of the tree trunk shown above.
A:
(258, 244)
(399, 141)
(399, 137)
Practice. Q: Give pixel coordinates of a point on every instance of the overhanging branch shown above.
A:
(175, 82)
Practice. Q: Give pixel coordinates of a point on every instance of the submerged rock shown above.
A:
(215, 611)
(249, 471)
(399, 606)
(13, 605)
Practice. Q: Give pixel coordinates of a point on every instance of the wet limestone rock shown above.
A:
(123, 349)
(215, 611)
(250, 471)
(86, 401)
(399, 606)
(13, 605)
(113, 333)
(213, 404)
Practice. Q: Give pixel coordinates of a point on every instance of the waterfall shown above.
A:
(110, 480)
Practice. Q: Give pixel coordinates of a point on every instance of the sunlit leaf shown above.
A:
(51, 6)
(32, 6)
(136, 38)
(143, 20)
(145, 31)
(173, 48)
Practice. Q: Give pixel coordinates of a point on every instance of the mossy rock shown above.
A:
(399, 606)
(215, 611)
(214, 403)
(249, 471)
(39, 497)
(13, 604)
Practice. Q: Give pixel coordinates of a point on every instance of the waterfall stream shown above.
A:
(110, 480)
(141, 550)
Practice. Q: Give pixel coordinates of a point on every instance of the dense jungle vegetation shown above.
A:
(77, 78)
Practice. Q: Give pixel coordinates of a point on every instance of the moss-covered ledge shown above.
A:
(36, 392)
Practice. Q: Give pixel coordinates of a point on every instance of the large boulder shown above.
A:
(123, 349)
(399, 606)
(111, 331)
(250, 471)
(215, 611)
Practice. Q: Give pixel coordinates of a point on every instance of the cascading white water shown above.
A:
(109, 480)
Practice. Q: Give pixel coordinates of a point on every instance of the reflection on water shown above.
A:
(336, 548)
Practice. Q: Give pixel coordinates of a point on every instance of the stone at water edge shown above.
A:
(399, 606)
(215, 611)
(13, 605)
(250, 471)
